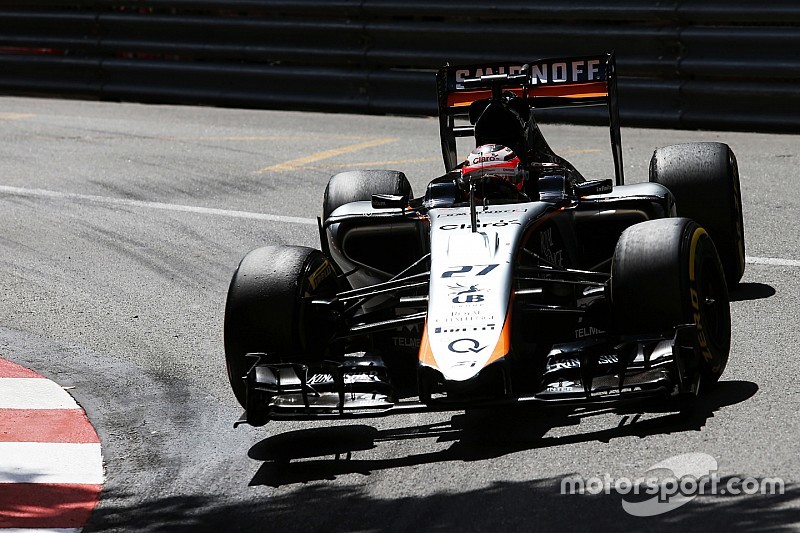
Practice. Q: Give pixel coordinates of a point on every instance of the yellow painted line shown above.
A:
(587, 151)
(381, 164)
(296, 164)
(214, 138)
(271, 138)
(14, 116)
(244, 138)
(430, 159)
(384, 163)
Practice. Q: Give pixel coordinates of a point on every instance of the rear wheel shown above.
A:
(704, 179)
(268, 309)
(360, 185)
(665, 273)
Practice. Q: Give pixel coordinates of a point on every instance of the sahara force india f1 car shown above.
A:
(513, 279)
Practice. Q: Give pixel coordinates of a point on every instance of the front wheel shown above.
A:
(269, 310)
(666, 273)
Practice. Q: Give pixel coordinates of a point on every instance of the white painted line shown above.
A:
(47, 462)
(106, 200)
(772, 261)
(111, 201)
(33, 393)
(41, 530)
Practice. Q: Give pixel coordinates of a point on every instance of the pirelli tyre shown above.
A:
(268, 309)
(360, 185)
(704, 179)
(666, 273)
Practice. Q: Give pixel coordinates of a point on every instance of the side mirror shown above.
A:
(385, 201)
(588, 188)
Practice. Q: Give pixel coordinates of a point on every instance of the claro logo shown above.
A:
(487, 159)
(498, 224)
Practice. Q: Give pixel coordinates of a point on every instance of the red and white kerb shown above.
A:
(51, 467)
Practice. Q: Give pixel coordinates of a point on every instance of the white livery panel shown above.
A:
(470, 286)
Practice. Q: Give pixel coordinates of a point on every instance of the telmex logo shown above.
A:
(578, 71)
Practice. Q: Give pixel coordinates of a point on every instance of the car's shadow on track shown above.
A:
(325, 453)
(752, 291)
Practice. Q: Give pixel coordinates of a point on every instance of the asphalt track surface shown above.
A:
(122, 225)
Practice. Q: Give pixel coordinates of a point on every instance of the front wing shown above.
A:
(598, 371)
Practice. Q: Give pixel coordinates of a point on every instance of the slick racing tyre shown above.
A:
(704, 179)
(268, 309)
(666, 273)
(360, 185)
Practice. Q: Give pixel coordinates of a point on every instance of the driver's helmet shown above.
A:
(493, 161)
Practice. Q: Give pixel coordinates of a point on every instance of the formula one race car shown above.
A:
(513, 279)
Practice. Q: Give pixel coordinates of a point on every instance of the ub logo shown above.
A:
(465, 295)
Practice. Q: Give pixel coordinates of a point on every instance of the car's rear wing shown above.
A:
(546, 83)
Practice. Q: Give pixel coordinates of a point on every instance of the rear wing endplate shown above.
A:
(545, 83)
